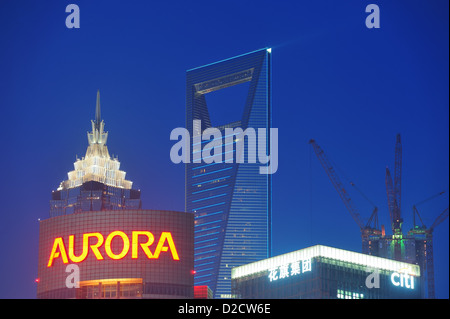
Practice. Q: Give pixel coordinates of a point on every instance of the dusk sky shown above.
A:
(350, 88)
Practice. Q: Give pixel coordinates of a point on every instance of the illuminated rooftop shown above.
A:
(97, 165)
(368, 261)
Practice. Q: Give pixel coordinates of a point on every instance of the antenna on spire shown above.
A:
(98, 135)
(97, 110)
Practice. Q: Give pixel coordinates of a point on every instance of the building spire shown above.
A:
(97, 110)
(98, 135)
(97, 165)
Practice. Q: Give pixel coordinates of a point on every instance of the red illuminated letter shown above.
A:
(126, 245)
(58, 244)
(94, 247)
(166, 236)
(77, 259)
(135, 242)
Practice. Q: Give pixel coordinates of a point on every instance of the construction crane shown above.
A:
(424, 243)
(370, 229)
(417, 246)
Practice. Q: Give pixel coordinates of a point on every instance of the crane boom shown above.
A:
(416, 212)
(369, 231)
(337, 183)
(429, 198)
(439, 219)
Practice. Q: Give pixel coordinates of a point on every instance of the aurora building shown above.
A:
(231, 201)
(99, 243)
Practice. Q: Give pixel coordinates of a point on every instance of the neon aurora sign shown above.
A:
(165, 244)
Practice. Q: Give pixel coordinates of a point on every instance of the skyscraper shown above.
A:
(96, 183)
(98, 243)
(231, 202)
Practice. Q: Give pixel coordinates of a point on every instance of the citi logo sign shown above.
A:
(398, 279)
(402, 280)
(221, 149)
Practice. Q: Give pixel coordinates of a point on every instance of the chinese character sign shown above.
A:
(290, 269)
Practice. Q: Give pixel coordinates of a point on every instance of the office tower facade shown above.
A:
(231, 202)
(96, 183)
(321, 272)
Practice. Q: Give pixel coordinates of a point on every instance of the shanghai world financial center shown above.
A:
(231, 202)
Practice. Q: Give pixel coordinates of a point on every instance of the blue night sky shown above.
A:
(349, 87)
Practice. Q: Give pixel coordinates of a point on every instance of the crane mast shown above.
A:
(398, 178)
(393, 190)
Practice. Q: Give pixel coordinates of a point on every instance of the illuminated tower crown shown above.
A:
(97, 165)
(96, 183)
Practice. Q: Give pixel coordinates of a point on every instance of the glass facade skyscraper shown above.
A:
(231, 202)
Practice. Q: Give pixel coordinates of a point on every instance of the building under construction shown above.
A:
(415, 247)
